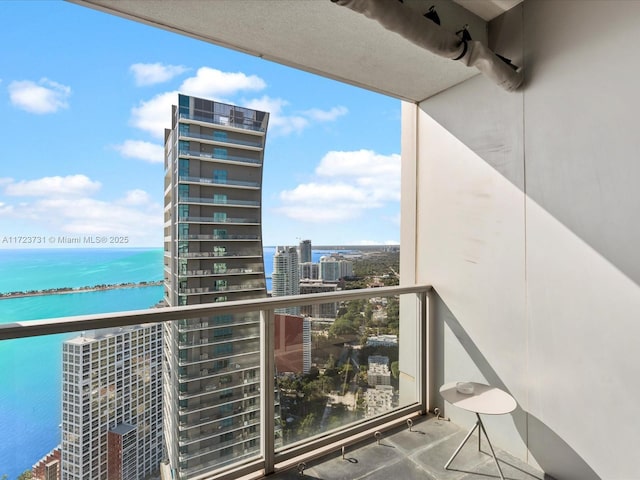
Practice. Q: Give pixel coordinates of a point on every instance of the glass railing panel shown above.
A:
(193, 388)
(337, 364)
(212, 393)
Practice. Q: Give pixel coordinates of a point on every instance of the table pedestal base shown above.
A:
(480, 426)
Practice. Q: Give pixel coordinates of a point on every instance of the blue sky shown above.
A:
(85, 99)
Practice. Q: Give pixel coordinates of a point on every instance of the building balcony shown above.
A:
(211, 324)
(278, 406)
(226, 202)
(215, 429)
(237, 439)
(226, 121)
(227, 272)
(229, 140)
(221, 182)
(220, 158)
(225, 237)
(236, 221)
(233, 254)
(203, 342)
(216, 402)
(207, 388)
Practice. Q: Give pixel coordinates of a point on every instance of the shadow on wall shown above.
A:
(556, 458)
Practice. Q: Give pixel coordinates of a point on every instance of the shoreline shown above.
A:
(66, 290)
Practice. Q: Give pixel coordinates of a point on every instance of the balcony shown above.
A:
(212, 138)
(224, 120)
(277, 411)
(223, 182)
(226, 202)
(220, 237)
(236, 221)
(221, 158)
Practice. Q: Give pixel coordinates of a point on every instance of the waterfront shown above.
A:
(30, 382)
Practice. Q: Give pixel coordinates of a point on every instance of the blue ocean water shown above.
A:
(30, 369)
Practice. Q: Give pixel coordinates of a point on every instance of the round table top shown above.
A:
(484, 399)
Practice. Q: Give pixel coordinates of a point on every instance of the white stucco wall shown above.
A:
(526, 227)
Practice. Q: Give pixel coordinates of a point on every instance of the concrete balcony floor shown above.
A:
(417, 454)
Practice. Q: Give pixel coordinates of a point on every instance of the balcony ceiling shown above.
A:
(321, 37)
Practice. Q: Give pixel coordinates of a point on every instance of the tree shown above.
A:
(26, 475)
(395, 369)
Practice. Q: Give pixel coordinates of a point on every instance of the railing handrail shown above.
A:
(50, 326)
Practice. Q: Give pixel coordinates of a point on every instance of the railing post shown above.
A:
(267, 388)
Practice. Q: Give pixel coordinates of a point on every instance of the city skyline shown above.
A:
(83, 113)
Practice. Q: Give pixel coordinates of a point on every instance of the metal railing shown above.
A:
(215, 181)
(271, 456)
(215, 156)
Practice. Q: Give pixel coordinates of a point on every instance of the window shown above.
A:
(219, 268)
(223, 349)
(184, 130)
(183, 192)
(220, 198)
(219, 233)
(220, 136)
(220, 153)
(220, 176)
(183, 211)
(183, 167)
(222, 333)
(220, 216)
(183, 147)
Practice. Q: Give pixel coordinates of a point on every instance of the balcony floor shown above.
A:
(420, 453)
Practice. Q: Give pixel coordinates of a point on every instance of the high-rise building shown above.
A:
(292, 347)
(309, 270)
(304, 251)
(285, 279)
(213, 253)
(112, 404)
(333, 268)
(319, 310)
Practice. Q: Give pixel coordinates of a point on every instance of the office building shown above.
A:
(285, 276)
(112, 404)
(213, 253)
(304, 251)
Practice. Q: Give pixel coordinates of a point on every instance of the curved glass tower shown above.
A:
(213, 253)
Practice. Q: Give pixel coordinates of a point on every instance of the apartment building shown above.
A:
(213, 253)
(286, 276)
(112, 404)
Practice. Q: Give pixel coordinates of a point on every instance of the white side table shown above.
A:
(484, 400)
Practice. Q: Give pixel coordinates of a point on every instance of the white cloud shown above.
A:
(43, 97)
(69, 186)
(326, 115)
(136, 197)
(212, 83)
(350, 182)
(134, 215)
(152, 115)
(153, 73)
(147, 151)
